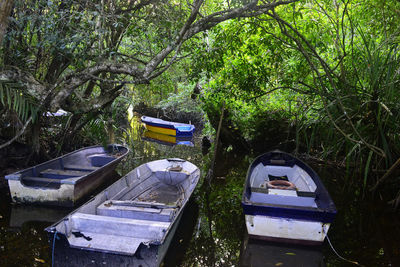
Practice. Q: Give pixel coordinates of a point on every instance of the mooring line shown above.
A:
(52, 252)
(337, 254)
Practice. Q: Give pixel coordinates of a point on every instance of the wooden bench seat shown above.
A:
(91, 223)
(139, 211)
(76, 167)
(61, 174)
(41, 180)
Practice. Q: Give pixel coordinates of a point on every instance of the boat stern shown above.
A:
(286, 230)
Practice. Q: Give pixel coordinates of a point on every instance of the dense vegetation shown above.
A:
(316, 77)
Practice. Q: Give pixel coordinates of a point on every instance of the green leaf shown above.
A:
(367, 168)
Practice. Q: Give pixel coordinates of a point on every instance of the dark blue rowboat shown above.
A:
(168, 127)
(65, 180)
(285, 200)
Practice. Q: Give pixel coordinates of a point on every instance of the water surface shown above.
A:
(212, 230)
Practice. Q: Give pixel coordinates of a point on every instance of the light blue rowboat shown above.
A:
(135, 214)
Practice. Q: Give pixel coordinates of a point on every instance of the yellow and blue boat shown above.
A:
(167, 127)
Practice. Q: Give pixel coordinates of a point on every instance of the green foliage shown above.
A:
(109, 125)
(328, 68)
(12, 98)
(181, 100)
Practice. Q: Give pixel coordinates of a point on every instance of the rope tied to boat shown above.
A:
(53, 247)
(281, 184)
(337, 254)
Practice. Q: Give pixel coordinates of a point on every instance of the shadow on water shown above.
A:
(261, 253)
(212, 231)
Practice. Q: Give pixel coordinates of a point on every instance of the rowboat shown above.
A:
(167, 127)
(168, 140)
(284, 200)
(66, 180)
(173, 247)
(135, 215)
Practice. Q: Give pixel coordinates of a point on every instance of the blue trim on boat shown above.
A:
(168, 126)
(324, 212)
(305, 214)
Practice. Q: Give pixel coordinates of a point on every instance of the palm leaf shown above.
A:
(13, 98)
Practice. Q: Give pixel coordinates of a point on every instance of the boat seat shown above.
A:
(41, 182)
(100, 160)
(264, 190)
(61, 174)
(137, 210)
(41, 179)
(90, 223)
(306, 194)
(76, 167)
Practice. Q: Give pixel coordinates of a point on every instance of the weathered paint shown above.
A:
(286, 228)
(41, 195)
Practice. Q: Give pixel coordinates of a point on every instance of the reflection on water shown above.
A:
(167, 139)
(259, 253)
(21, 214)
(212, 227)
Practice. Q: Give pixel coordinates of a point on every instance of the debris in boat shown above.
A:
(175, 168)
(79, 234)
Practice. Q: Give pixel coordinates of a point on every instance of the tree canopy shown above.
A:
(77, 54)
(322, 73)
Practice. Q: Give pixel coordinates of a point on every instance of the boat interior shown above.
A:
(67, 169)
(301, 193)
(138, 208)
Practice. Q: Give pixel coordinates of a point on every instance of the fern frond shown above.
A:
(13, 98)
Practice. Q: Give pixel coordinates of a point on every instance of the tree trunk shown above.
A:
(5, 11)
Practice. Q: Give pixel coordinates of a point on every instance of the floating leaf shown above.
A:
(290, 253)
(39, 260)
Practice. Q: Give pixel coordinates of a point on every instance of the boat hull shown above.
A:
(300, 214)
(51, 183)
(152, 255)
(286, 230)
(167, 127)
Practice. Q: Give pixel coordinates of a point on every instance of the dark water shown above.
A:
(212, 230)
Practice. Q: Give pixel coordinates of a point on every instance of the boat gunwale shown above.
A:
(168, 124)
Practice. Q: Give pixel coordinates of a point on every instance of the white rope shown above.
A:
(337, 254)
